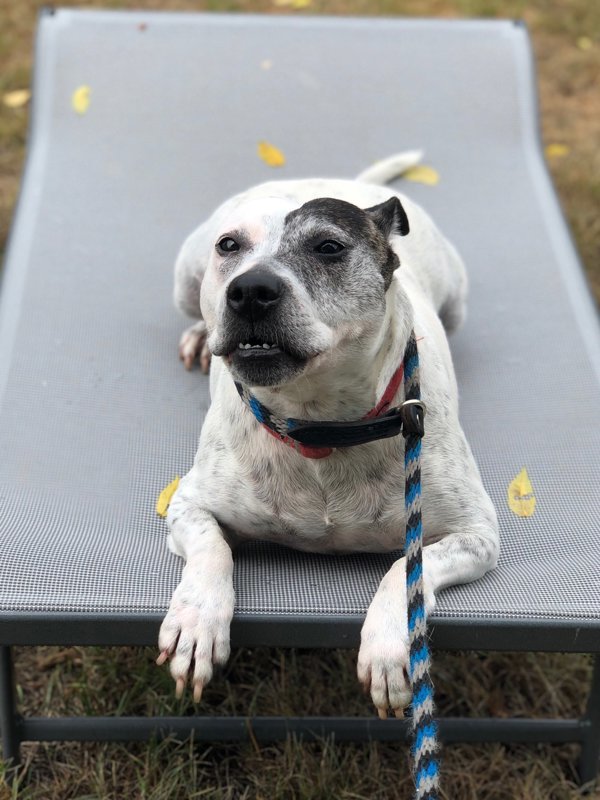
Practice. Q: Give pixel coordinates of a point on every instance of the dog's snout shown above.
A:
(255, 293)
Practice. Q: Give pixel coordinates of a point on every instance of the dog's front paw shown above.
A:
(192, 347)
(195, 633)
(383, 658)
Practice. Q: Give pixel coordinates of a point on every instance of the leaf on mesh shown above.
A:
(164, 498)
(270, 154)
(521, 499)
(421, 173)
(81, 98)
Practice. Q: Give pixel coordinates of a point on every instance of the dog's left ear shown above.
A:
(390, 217)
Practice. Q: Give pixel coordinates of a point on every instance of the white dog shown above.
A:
(307, 292)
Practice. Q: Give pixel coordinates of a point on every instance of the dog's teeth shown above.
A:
(248, 346)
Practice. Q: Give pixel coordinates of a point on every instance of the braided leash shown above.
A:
(425, 743)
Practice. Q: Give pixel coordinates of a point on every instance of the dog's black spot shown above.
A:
(338, 212)
(362, 234)
(376, 473)
(261, 471)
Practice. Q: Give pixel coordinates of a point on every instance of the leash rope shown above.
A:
(425, 742)
(425, 733)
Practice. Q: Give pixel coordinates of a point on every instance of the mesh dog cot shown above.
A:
(98, 415)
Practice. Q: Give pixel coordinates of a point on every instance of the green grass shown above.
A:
(59, 681)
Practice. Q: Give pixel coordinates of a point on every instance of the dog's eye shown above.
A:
(329, 248)
(227, 245)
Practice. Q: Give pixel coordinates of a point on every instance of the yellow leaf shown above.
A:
(80, 99)
(422, 174)
(164, 498)
(585, 43)
(521, 499)
(293, 3)
(17, 98)
(270, 154)
(556, 150)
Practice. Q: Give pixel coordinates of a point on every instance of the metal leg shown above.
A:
(8, 709)
(589, 761)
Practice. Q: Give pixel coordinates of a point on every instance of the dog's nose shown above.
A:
(255, 293)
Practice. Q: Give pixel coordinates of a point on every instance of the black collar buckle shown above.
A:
(413, 418)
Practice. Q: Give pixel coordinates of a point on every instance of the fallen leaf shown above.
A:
(164, 498)
(585, 43)
(556, 150)
(270, 154)
(81, 98)
(293, 3)
(17, 98)
(422, 174)
(521, 499)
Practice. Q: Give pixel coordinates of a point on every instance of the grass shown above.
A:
(58, 681)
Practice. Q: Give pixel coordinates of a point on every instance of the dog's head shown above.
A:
(286, 286)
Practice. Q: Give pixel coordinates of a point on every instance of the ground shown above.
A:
(566, 40)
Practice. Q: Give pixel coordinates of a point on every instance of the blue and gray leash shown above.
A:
(425, 739)
(316, 440)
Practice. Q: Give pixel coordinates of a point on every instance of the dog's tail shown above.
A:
(382, 172)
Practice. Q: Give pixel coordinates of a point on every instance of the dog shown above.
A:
(306, 293)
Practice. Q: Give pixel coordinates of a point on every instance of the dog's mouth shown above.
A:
(264, 353)
(261, 360)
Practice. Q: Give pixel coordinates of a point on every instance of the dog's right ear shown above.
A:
(390, 217)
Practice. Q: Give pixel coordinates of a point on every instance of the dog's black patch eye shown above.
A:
(329, 248)
(227, 245)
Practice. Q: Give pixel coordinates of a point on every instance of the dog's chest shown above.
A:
(350, 501)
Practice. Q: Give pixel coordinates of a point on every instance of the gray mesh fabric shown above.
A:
(97, 414)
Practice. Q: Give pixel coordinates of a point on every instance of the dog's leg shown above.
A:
(192, 347)
(189, 272)
(383, 657)
(195, 631)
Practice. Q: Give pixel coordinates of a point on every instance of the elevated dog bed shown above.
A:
(142, 124)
